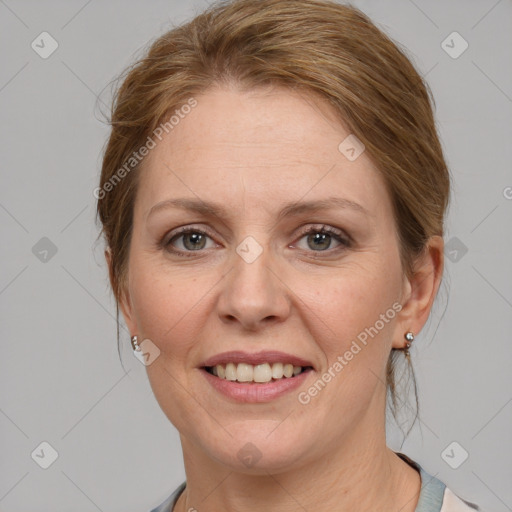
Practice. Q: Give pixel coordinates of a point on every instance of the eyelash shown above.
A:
(327, 230)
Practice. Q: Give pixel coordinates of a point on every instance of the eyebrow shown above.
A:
(290, 209)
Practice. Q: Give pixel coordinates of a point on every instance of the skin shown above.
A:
(253, 152)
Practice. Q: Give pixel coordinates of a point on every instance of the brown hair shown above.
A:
(317, 46)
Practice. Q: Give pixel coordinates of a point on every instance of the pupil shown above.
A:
(194, 241)
(323, 239)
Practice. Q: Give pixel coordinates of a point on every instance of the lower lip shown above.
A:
(250, 392)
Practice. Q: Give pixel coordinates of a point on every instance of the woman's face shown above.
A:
(260, 173)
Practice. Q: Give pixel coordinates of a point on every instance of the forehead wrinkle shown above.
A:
(295, 208)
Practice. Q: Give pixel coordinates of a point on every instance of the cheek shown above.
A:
(170, 307)
(350, 301)
(351, 320)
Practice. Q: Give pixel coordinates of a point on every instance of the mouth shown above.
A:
(259, 377)
(257, 374)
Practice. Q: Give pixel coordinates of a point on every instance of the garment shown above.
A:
(434, 495)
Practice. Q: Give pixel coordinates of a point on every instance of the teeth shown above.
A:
(277, 370)
(262, 373)
(244, 372)
(230, 371)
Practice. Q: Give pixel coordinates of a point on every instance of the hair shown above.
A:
(319, 47)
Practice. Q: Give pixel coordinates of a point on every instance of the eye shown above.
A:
(321, 238)
(189, 240)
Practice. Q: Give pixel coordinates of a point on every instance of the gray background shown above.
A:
(60, 375)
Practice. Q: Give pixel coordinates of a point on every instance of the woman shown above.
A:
(272, 197)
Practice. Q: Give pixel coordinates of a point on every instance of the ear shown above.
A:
(124, 300)
(420, 290)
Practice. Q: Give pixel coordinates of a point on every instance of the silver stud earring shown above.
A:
(135, 344)
(409, 337)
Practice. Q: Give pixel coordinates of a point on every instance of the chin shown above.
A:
(259, 447)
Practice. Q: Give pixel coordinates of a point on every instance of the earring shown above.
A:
(409, 337)
(146, 352)
(135, 344)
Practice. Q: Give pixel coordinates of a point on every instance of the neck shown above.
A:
(360, 474)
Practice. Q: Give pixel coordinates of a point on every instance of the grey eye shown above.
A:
(319, 241)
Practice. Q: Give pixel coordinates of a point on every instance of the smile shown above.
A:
(260, 373)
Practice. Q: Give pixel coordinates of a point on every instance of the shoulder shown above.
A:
(452, 503)
(169, 503)
(434, 495)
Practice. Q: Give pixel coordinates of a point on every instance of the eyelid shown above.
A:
(184, 230)
(325, 228)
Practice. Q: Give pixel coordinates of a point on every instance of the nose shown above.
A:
(253, 295)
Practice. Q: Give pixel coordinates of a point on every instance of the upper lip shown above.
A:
(273, 356)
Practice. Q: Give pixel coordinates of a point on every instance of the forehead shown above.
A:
(258, 147)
